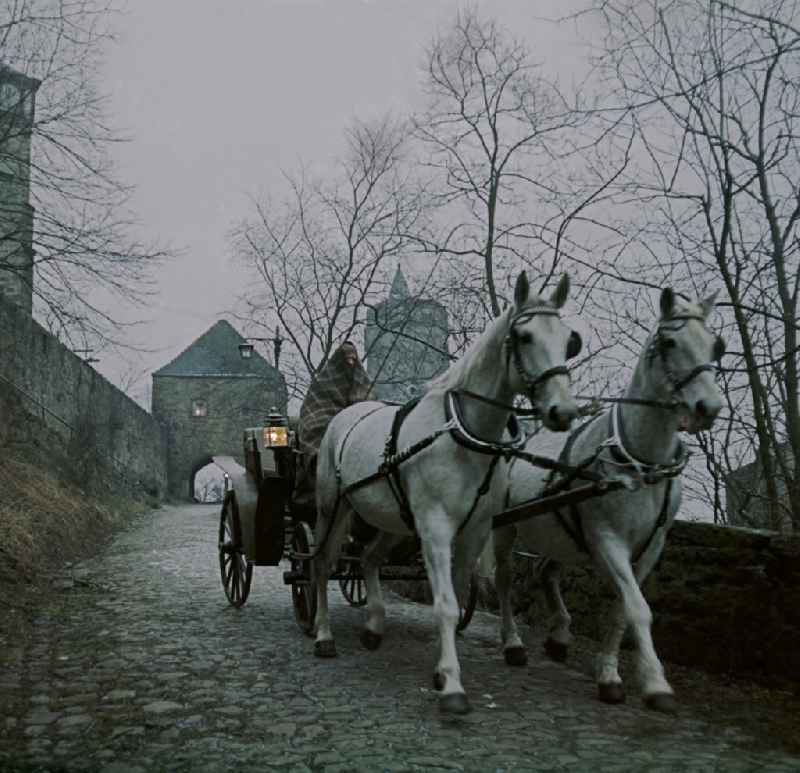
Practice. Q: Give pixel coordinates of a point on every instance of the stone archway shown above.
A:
(206, 480)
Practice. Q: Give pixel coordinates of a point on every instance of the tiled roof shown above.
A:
(216, 353)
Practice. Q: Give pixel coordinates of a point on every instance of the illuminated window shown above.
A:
(199, 408)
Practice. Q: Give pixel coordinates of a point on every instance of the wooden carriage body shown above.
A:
(258, 495)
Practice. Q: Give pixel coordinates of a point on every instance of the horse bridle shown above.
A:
(657, 347)
(513, 352)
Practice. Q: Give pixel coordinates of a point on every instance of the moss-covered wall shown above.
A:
(723, 599)
(52, 400)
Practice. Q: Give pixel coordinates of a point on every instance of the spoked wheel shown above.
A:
(236, 571)
(353, 587)
(465, 613)
(304, 591)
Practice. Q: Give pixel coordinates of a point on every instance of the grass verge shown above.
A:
(45, 523)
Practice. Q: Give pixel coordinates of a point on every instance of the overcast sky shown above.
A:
(217, 96)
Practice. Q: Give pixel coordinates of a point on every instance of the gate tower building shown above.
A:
(206, 397)
(405, 342)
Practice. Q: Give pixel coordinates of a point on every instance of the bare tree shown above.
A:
(714, 90)
(502, 142)
(321, 256)
(84, 257)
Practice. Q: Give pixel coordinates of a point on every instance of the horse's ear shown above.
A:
(559, 296)
(521, 289)
(707, 304)
(667, 302)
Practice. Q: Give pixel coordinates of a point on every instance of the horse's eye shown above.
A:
(525, 338)
(667, 343)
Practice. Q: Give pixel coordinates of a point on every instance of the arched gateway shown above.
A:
(205, 398)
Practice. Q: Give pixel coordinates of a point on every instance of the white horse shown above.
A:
(446, 486)
(623, 532)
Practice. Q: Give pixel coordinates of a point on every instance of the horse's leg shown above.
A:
(371, 560)
(657, 691)
(559, 637)
(468, 549)
(331, 530)
(513, 649)
(436, 535)
(631, 609)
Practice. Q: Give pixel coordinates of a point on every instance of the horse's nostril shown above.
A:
(700, 408)
(554, 415)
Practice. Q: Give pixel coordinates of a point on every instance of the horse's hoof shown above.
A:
(516, 656)
(455, 703)
(555, 650)
(438, 681)
(371, 640)
(613, 692)
(325, 648)
(661, 701)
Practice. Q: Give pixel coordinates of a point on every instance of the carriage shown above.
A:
(672, 389)
(261, 524)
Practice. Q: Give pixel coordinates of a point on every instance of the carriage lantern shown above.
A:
(276, 432)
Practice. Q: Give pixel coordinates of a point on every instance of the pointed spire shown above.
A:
(399, 290)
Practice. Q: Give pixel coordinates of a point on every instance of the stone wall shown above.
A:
(723, 599)
(52, 401)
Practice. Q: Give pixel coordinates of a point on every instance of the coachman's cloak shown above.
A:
(335, 386)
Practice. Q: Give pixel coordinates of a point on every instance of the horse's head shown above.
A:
(538, 344)
(683, 355)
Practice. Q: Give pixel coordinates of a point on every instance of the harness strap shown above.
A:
(706, 366)
(341, 493)
(390, 468)
(575, 528)
(459, 432)
(392, 459)
(391, 464)
(350, 431)
(563, 466)
(507, 406)
(482, 490)
(649, 472)
(661, 521)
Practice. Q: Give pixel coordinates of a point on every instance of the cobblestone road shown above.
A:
(140, 664)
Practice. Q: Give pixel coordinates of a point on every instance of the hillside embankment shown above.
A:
(46, 522)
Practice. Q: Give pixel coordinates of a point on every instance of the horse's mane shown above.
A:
(477, 352)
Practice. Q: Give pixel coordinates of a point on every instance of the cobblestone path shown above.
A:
(140, 664)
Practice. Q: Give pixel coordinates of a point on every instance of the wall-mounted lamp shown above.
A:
(246, 349)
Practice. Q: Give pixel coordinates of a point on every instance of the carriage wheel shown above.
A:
(465, 613)
(236, 571)
(353, 587)
(304, 592)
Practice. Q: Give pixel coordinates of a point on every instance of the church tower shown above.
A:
(405, 342)
(17, 96)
